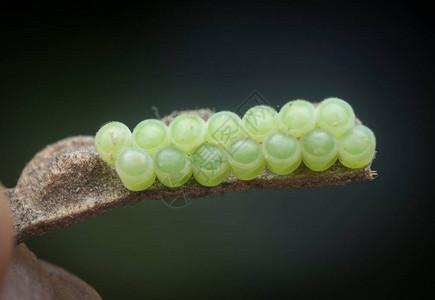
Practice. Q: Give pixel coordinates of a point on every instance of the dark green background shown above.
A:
(67, 70)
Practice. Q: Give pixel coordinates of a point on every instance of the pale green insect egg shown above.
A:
(356, 147)
(319, 149)
(172, 166)
(223, 127)
(246, 158)
(260, 120)
(209, 164)
(111, 139)
(297, 117)
(282, 152)
(335, 115)
(151, 135)
(135, 169)
(187, 131)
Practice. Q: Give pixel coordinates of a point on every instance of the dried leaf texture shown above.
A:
(5, 236)
(68, 182)
(30, 278)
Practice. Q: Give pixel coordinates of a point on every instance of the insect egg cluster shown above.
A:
(300, 132)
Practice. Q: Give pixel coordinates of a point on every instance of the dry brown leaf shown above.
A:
(30, 278)
(68, 182)
(6, 241)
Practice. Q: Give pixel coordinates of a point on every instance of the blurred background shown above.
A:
(66, 70)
